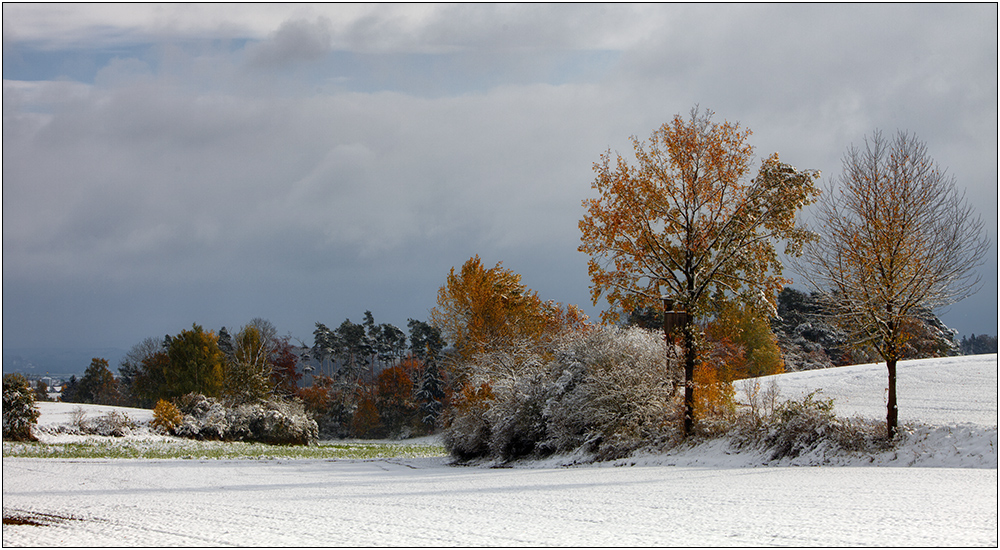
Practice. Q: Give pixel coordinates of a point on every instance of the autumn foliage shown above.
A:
(687, 222)
(166, 416)
(482, 310)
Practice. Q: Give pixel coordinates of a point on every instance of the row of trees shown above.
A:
(686, 237)
(688, 230)
(975, 345)
(255, 365)
(686, 224)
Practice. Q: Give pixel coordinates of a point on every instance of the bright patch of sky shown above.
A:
(420, 74)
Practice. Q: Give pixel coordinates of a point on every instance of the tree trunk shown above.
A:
(892, 411)
(689, 361)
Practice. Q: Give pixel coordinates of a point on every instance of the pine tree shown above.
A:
(19, 410)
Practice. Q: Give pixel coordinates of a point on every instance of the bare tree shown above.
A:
(896, 238)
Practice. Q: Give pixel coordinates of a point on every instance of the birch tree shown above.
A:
(897, 240)
(686, 222)
(248, 374)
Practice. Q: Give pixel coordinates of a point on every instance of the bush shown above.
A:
(626, 396)
(468, 434)
(19, 410)
(113, 423)
(166, 416)
(607, 390)
(714, 404)
(792, 428)
(275, 421)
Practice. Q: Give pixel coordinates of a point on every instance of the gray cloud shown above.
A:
(294, 42)
(188, 188)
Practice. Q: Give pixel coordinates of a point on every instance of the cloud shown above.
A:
(294, 42)
(342, 160)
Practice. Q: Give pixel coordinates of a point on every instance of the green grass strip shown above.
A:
(215, 450)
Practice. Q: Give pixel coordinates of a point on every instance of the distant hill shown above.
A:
(57, 361)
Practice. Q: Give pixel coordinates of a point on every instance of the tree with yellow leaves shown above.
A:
(686, 223)
(481, 310)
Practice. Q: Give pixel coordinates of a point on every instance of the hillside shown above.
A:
(712, 495)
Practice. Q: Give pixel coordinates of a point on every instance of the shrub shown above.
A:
(468, 433)
(798, 425)
(608, 390)
(19, 410)
(789, 429)
(273, 421)
(714, 404)
(166, 416)
(616, 391)
(113, 423)
(78, 419)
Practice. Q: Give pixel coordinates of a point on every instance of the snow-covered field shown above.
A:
(938, 489)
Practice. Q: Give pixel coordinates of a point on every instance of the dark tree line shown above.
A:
(975, 345)
(363, 379)
(370, 380)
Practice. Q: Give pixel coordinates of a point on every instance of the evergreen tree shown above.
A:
(71, 391)
(975, 345)
(431, 394)
(19, 410)
(98, 385)
(226, 344)
(425, 340)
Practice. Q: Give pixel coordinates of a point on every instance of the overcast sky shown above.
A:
(179, 164)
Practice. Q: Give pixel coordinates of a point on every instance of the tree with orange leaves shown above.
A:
(686, 223)
(482, 310)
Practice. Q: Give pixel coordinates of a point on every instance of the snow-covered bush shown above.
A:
(273, 421)
(517, 422)
(19, 410)
(606, 389)
(791, 428)
(113, 423)
(468, 432)
(614, 390)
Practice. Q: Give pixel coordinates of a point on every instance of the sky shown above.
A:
(165, 165)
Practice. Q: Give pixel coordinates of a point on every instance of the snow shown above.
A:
(938, 489)
(54, 413)
(933, 391)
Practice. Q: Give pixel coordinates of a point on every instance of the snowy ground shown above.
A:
(702, 495)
